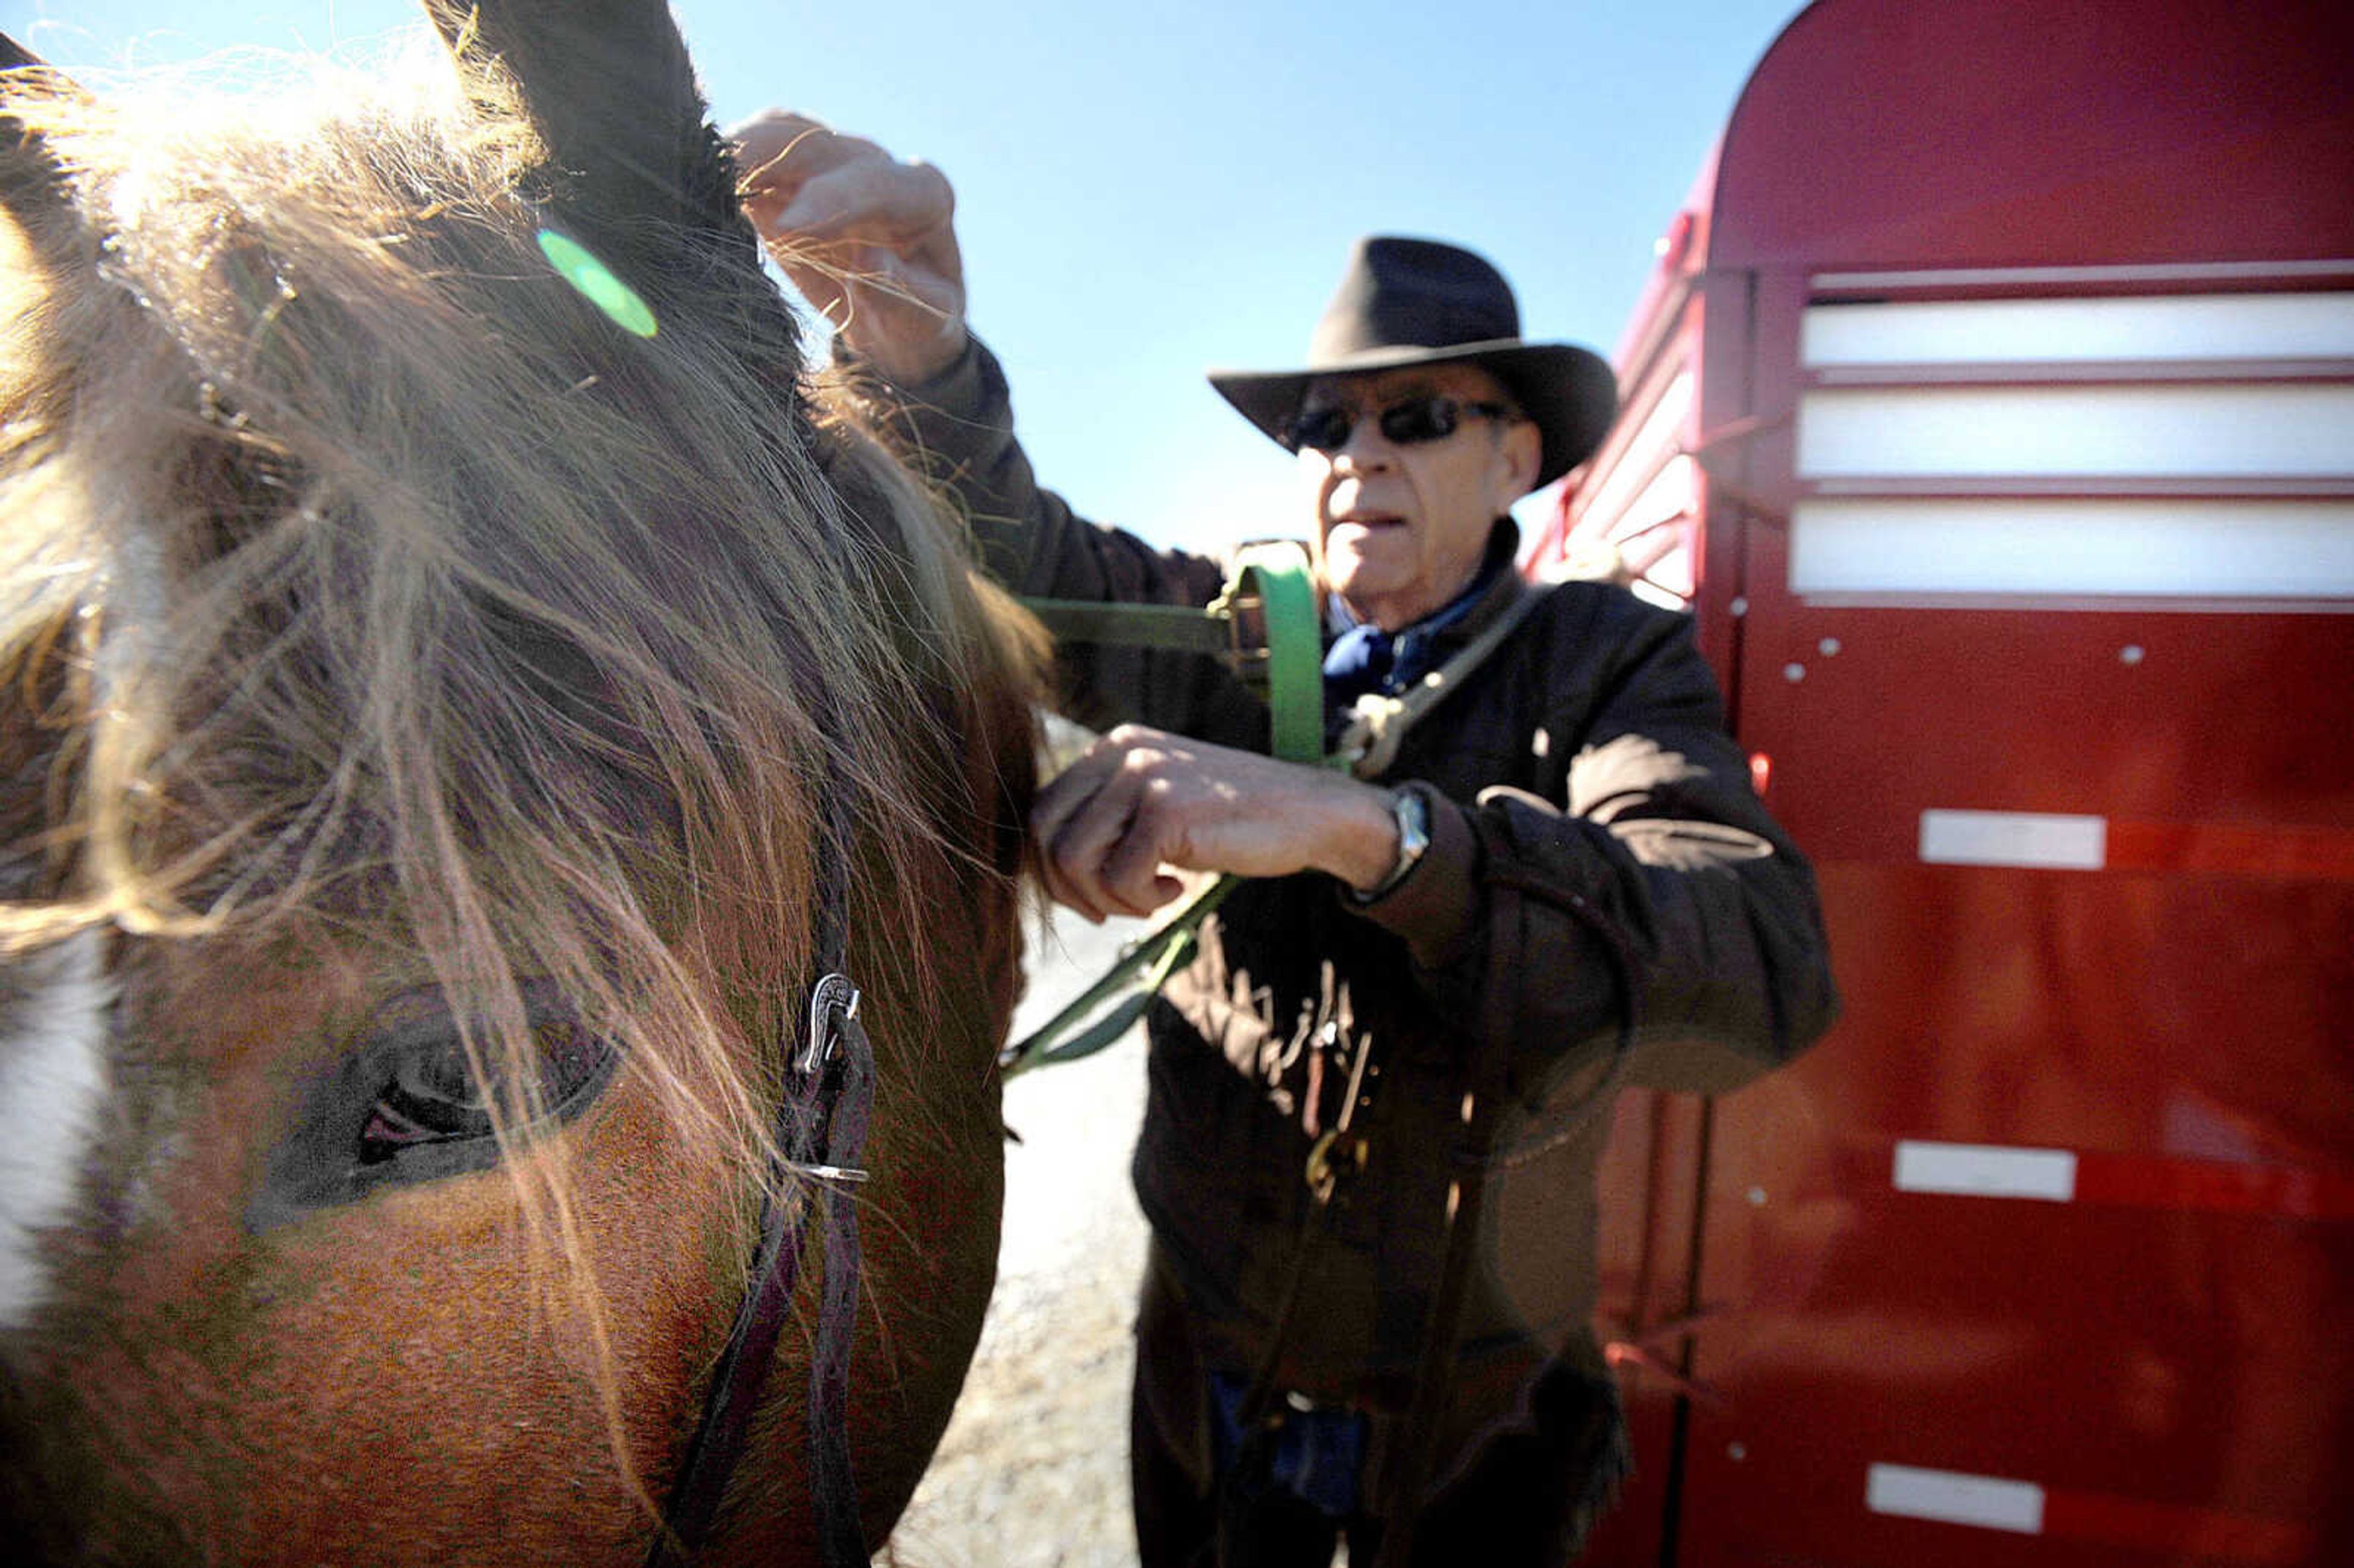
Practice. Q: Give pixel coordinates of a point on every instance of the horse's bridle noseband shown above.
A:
(821, 1129)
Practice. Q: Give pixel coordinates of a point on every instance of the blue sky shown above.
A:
(1146, 190)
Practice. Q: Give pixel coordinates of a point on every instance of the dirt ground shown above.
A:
(1033, 1471)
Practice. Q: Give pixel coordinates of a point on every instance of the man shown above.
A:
(1379, 1094)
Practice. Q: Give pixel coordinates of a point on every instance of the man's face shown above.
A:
(1402, 526)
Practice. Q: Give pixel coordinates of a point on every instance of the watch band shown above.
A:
(1412, 814)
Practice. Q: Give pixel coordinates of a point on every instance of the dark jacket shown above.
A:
(1600, 877)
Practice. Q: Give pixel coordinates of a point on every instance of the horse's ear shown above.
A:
(640, 174)
(49, 250)
(32, 187)
(607, 85)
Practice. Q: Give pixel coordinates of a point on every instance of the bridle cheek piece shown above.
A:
(821, 1131)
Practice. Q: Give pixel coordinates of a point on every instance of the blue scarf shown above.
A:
(1364, 658)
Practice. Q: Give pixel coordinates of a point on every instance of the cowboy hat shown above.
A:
(1420, 301)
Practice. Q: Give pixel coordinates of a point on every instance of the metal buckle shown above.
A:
(848, 1175)
(834, 1002)
(832, 999)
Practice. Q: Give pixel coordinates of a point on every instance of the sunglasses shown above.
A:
(1410, 423)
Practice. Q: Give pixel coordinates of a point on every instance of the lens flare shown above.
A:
(596, 283)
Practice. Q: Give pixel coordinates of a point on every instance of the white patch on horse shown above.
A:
(53, 1083)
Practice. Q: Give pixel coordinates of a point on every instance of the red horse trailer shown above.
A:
(1992, 408)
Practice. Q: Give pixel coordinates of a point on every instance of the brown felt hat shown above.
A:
(1421, 302)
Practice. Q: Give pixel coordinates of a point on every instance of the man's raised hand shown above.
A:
(868, 239)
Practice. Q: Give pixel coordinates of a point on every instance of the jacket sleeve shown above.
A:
(1656, 905)
(957, 431)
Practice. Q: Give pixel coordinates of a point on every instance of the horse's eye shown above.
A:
(433, 1096)
(408, 1106)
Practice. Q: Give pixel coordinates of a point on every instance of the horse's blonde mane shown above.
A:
(369, 581)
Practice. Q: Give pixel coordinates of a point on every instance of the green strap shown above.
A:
(1276, 575)
(1178, 626)
(1367, 749)
(1142, 968)
(1263, 623)
(1283, 655)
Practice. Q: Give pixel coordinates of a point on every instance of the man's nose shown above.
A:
(1366, 449)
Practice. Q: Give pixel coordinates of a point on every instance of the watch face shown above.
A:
(1414, 829)
(1418, 814)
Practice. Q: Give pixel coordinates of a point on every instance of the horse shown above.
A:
(460, 671)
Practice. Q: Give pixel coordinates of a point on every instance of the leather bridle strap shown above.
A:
(820, 1130)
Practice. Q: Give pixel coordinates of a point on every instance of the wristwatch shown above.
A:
(1412, 814)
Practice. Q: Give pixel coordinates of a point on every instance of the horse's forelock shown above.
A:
(349, 311)
(450, 596)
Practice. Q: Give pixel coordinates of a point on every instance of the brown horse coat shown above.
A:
(416, 688)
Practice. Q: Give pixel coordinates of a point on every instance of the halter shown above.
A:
(820, 1127)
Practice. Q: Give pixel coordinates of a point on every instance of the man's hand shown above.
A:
(1140, 799)
(868, 239)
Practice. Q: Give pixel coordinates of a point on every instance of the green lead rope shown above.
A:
(1265, 623)
(1270, 581)
(1126, 989)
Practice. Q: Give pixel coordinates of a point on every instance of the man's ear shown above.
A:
(1518, 456)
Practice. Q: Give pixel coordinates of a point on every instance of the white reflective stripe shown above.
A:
(2037, 838)
(2077, 432)
(1985, 1170)
(2016, 277)
(1951, 1496)
(2217, 547)
(2174, 328)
